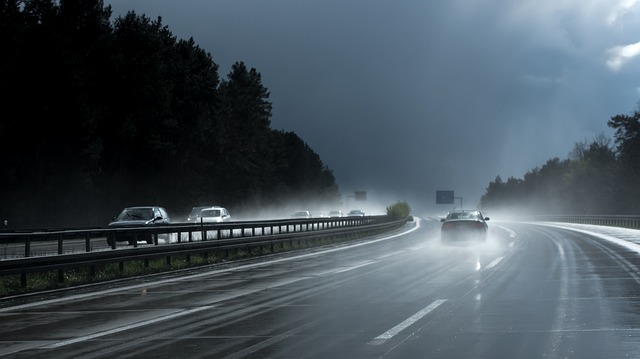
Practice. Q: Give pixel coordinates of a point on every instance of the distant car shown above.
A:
(301, 214)
(464, 225)
(132, 217)
(335, 214)
(195, 211)
(356, 213)
(213, 215)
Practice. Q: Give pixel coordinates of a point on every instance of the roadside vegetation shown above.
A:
(598, 177)
(399, 210)
(100, 113)
(49, 280)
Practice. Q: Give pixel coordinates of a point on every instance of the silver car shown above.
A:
(195, 211)
(212, 215)
(301, 214)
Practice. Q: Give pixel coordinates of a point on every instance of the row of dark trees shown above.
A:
(100, 114)
(597, 178)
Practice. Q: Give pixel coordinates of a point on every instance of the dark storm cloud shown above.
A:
(402, 98)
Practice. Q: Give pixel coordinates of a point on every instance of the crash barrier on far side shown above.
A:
(624, 221)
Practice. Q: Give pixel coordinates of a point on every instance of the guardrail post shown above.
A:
(203, 234)
(60, 271)
(60, 244)
(27, 247)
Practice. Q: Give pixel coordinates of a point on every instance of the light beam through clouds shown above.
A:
(403, 98)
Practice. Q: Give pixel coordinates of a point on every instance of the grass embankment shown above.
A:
(48, 280)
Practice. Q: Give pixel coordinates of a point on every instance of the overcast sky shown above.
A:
(402, 98)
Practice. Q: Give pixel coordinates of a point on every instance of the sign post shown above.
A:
(444, 197)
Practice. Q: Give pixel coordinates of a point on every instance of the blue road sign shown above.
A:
(444, 197)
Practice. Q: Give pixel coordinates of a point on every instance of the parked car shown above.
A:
(464, 225)
(335, 214)
(213, 215)
(132, 217)
(356, 213)
(301, 214)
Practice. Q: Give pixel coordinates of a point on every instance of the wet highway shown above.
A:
(531, 291)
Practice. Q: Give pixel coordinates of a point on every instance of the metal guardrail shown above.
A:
(64, 241)
(89, 247)
(624, 221)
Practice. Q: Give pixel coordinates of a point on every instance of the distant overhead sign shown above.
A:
(360, 196)
(444, 197)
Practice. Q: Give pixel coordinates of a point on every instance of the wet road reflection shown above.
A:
(529, 292)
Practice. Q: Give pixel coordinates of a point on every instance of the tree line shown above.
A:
(101, 114)
(598, 177)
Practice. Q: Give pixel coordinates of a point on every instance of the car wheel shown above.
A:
(150, 240)
(111, 241)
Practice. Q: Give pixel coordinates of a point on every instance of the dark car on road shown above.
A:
(464, 225)
(133, 217)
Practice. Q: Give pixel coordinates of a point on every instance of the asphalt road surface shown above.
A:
(531, 291)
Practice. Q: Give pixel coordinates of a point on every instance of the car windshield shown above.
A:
(195, 211)
(464, 215)
(210, 213)
(136, 214)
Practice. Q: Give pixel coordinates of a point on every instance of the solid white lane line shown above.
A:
(355, 266)
(493, 263)
(407, 322)
(383, 256)
(126, 327)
